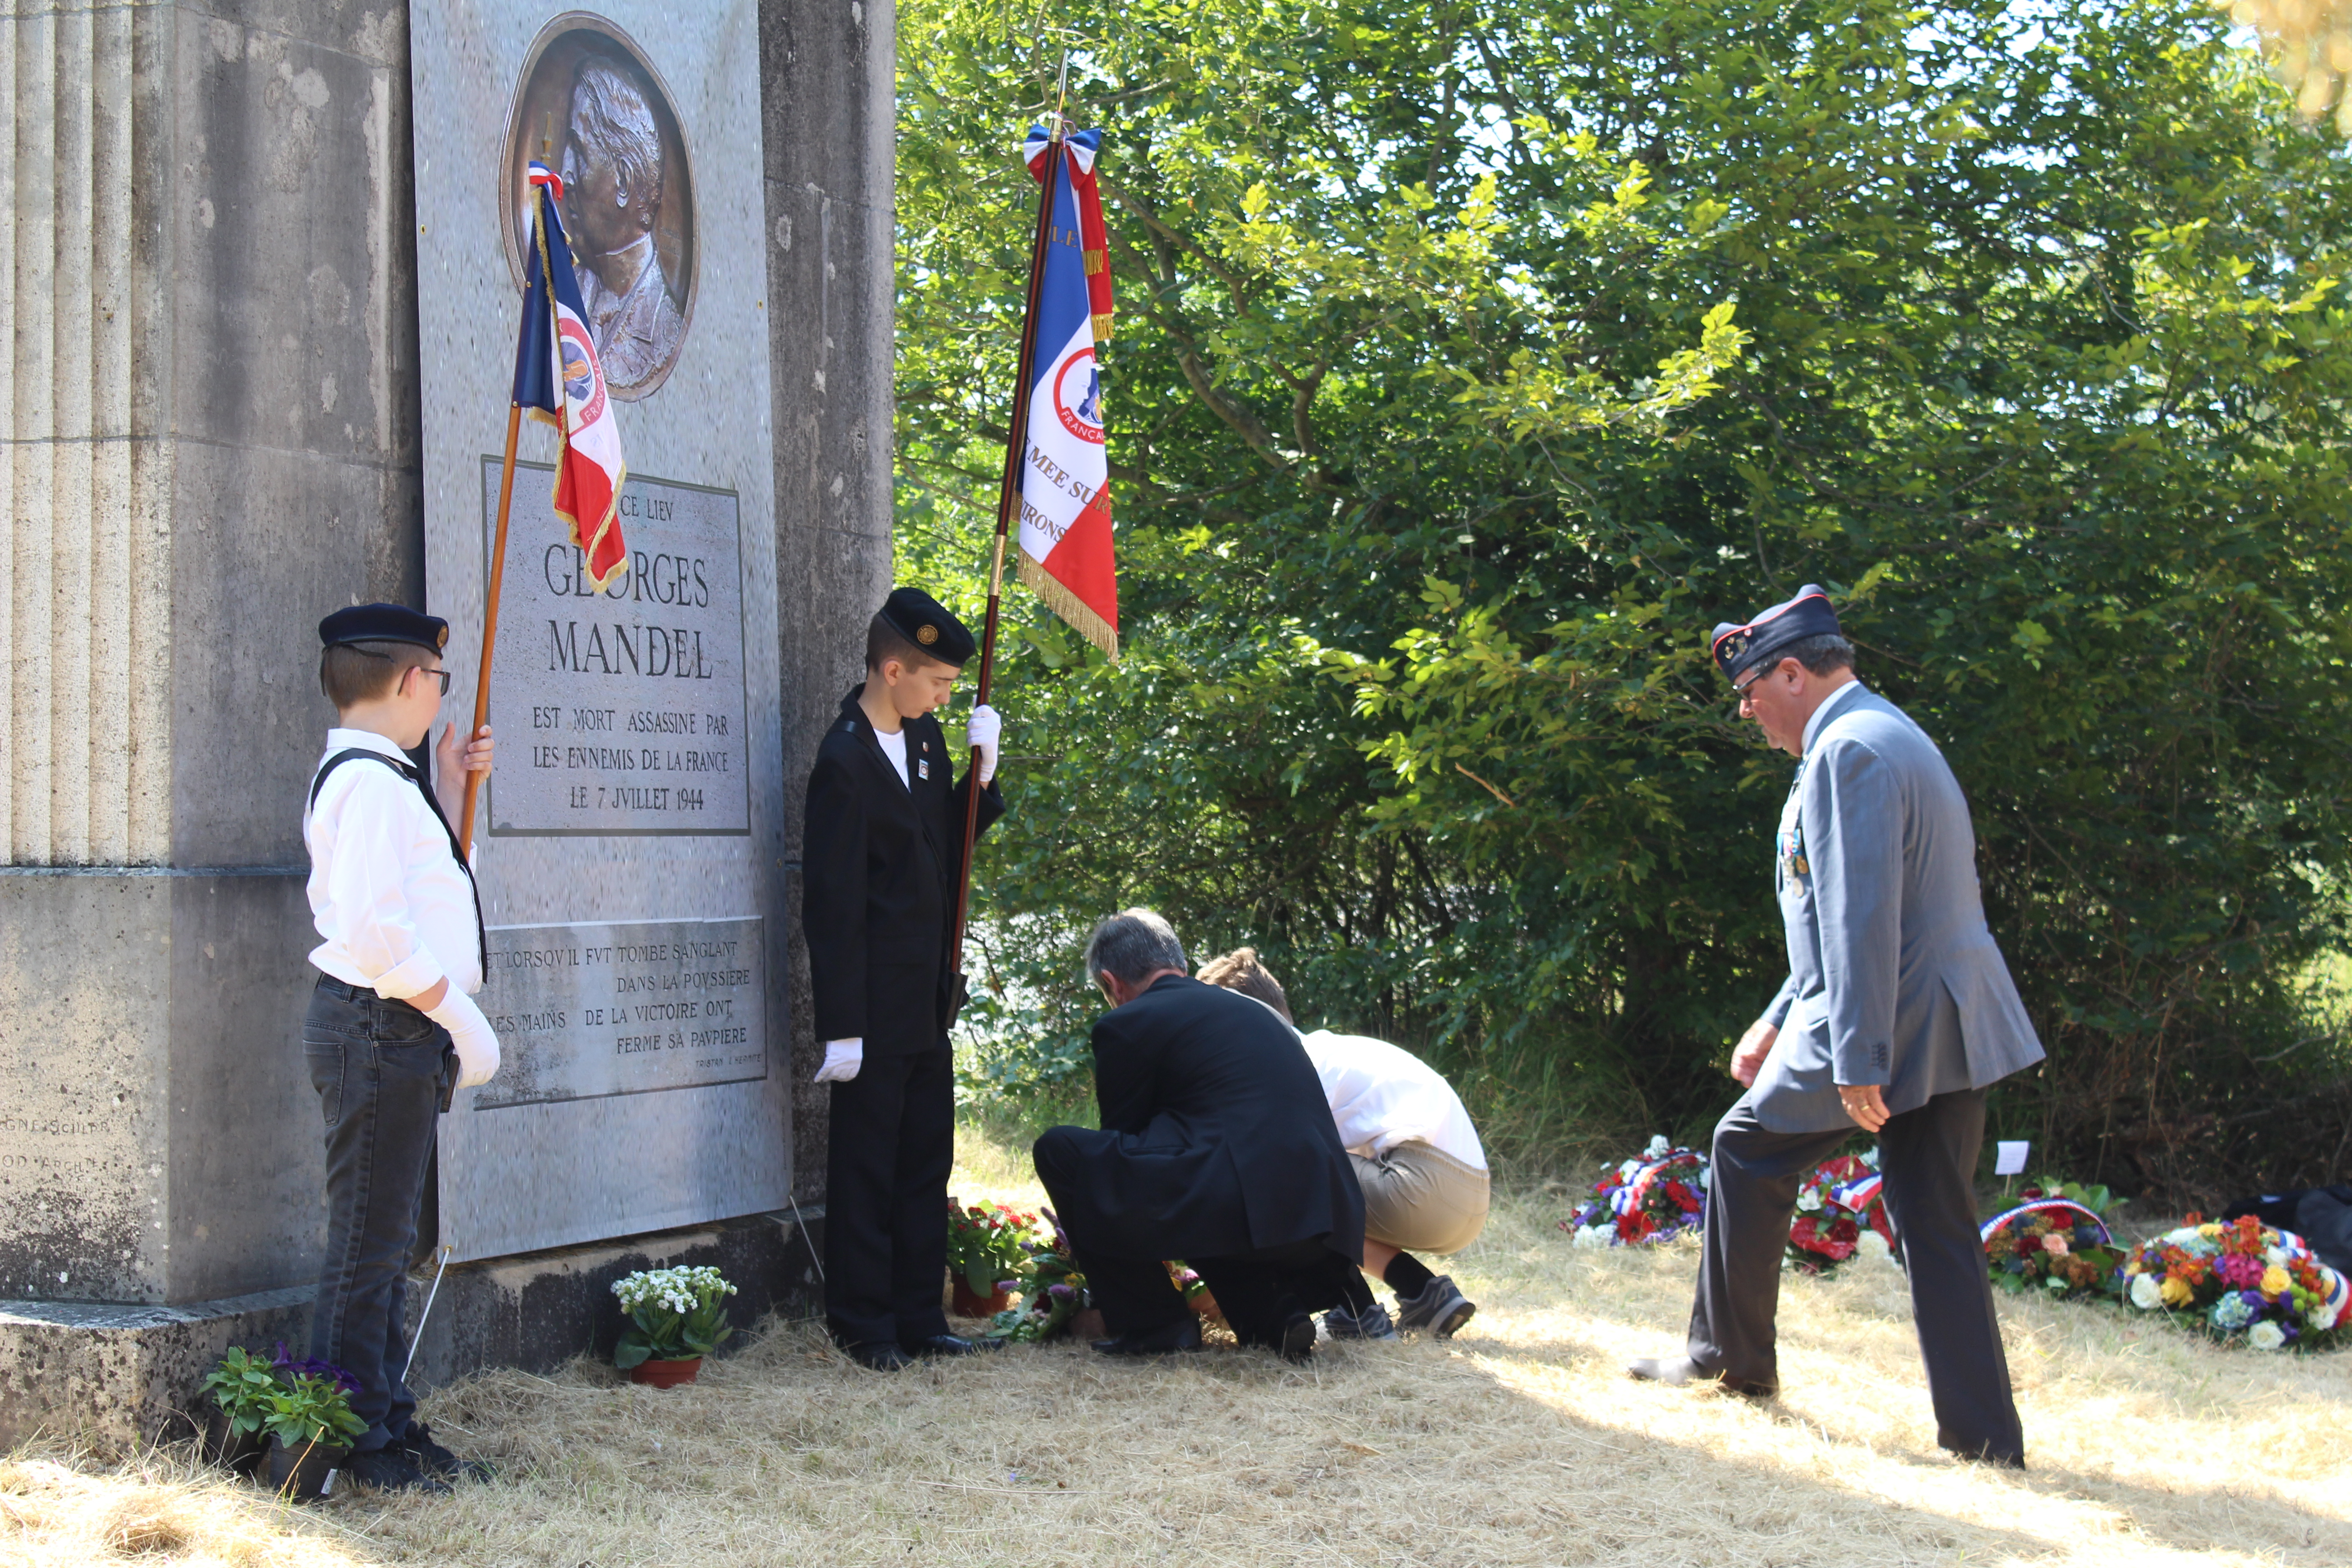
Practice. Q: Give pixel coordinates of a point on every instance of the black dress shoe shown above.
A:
(1297, 1336)
(1162, 1341)
(948, 1344)
(1676, 1372)
(881, 1355)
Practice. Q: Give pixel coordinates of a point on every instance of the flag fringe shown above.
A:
(1074, 610)
(1102, 328)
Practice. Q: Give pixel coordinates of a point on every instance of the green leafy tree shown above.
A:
(1474, 358)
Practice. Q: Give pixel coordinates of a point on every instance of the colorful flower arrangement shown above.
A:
(2057, 1238)
(1053, 1291)
(1841, 1214)
(2239, 1280)
(991, 1246)
(1654, 1198)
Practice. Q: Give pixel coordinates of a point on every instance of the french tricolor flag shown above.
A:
(559, 378)
(1066, 539)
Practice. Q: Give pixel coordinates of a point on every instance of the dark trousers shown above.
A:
(1928, 1157)
(1255, 1293)
(892, 1144)
(382, 1069)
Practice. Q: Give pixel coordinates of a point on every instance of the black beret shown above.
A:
(384, 622)
(925, 622)
(1739, 649)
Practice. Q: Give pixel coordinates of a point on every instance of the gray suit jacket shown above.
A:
(1894, 978)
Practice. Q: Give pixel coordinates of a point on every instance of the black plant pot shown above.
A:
(233, 1450)
(306, 1471)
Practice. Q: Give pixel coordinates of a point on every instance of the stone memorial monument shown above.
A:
(261, 273)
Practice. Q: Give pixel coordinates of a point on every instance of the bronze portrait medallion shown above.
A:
(590, 103)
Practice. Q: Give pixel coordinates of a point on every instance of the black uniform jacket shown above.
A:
(1216, 1141)
(880, 866)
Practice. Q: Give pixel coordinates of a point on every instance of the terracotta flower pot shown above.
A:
(970, 1303)
(1087, 1325)
(1203, 1303)
(306, 1471)
(666, 1373)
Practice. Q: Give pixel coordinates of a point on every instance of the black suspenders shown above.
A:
(456, 851)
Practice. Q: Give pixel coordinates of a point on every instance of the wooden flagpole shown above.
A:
(1008, 501)
(490, 625)
(497, 564)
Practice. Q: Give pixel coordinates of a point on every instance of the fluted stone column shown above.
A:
(210, 411)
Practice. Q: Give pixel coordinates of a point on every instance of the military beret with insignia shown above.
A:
(384, 622)
(1739, 649)
(925, 622)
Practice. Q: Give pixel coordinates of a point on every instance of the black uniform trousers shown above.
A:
(1928, 1157)
(892, 1144)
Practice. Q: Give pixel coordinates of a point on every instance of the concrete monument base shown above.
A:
(118, 1378)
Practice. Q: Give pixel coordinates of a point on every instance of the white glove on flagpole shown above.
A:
(477, 1043)
(842, 1060)
(983, 730)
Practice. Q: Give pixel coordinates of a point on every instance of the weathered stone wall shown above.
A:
(210, 407)
(829, 70)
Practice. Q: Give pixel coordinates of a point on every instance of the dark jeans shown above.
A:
(382, 1069)
(1928, 1157)
(891, 1145)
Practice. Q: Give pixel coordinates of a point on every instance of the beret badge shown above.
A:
(926, 634)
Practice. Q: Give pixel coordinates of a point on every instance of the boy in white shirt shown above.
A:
(1415, 1153)
(392, 1030)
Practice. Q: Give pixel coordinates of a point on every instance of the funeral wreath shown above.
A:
(2240, 1282)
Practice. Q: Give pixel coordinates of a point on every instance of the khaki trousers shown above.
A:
(1418, 1198)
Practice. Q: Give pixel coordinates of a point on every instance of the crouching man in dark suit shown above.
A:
(1217, 1147)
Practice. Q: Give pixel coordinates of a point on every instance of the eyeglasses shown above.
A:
(1739, 694)
(440, 675)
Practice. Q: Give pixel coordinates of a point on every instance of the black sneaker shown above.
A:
(1439, 1308)
(436, 1460)
(1371, 1323)
(390, 1469)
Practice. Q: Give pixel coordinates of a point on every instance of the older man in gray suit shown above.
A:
(1896, 1016)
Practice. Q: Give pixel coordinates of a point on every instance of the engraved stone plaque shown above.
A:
(633, 697)
(630, 845)
(593, 1009)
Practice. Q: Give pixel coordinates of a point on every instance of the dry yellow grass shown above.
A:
(1520, 1442)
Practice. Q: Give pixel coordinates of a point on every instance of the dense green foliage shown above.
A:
(1474, 358)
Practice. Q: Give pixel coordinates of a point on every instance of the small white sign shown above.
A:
(327, 1483)
(2009, 1159)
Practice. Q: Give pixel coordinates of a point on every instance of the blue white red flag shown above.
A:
(1066, 556)
(559, 378)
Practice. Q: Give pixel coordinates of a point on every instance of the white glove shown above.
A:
(983, 730)
(842, 1060)
(478, 1045)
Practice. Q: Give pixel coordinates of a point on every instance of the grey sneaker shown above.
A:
(1439, 1308)
(1372, 1323)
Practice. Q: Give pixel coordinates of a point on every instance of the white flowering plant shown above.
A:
(675, 1314)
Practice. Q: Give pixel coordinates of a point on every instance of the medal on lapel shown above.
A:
(922, 767)
(1792, 851)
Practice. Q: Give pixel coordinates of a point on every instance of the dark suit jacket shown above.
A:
(1216, 1140)
(880, 861)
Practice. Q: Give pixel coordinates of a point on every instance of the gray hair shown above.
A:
(1819, 654)
(619, 124)
(1131, 945)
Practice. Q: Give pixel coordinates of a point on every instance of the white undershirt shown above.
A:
(393, 903)
(894, 746)
(1382, 1097)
